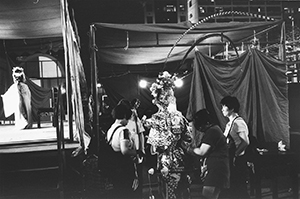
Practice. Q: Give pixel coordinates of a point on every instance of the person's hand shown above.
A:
(135, 184)
(184, 145)
(233, 160)
(143, 120)
(197, 151)
(79, 150)
(151, 171)
(187, 147)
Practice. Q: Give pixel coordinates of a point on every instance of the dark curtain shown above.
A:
(5, 82)
(258, 81)
(39, 97)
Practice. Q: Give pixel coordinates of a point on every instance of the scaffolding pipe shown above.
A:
(94, 80)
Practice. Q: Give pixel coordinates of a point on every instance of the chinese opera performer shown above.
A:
(17, 100)
(169, 129)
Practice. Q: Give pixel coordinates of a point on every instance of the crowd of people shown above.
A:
(169, 138)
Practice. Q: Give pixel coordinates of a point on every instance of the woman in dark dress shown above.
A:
(213, 148)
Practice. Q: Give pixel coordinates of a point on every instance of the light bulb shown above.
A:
(143, 83)
(178, 83)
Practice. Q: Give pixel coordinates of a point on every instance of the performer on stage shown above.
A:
(168, 129)
(17, 100)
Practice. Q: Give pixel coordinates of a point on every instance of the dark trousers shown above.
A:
(238, 180)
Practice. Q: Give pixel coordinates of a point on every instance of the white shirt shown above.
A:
(117, 137)
(238, 126)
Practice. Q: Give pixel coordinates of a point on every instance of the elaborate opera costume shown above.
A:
(17, 100)
(168, 128)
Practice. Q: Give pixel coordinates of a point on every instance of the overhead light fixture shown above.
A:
(143, 83)
(178, 83)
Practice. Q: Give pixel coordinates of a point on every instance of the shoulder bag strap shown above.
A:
(229, 136)
(113, 134)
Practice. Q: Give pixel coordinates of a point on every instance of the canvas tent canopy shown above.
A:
(137, 44)
(30, 26)
(28, 19)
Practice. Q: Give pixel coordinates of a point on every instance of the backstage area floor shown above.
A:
(48, 184)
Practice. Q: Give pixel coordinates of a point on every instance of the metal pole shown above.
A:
(94, 80)
(293, 33)
(60, 147)
(69, 104)
(283, 43)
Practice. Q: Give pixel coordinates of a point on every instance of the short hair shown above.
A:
(201, 118)
(231, 102)
(121, 111)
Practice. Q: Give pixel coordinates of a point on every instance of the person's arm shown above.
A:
(244, 143)
(147, 122)
(126, 145)
(142, 142)
(153, 150)
(202, 150)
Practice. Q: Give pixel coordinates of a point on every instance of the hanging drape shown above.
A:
(39, 97)
(258, 81)
(77, 76)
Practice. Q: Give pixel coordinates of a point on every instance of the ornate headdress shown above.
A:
(18, 74)
(162, 89)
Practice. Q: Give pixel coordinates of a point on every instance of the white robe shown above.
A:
(17, 100)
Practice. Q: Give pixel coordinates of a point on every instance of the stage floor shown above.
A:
(11, 136)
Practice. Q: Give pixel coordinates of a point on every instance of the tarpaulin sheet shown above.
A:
(258, 81)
